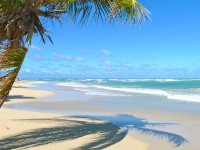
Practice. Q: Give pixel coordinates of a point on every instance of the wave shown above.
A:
(106, 94)
(72, 85)
(158, 80)
(173, 96)
(131, 80)
(168, 80)
(189, 97)
(122, 91)
(176, 80)
(133, 90)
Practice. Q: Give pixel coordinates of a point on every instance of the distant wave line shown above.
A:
(168, 95)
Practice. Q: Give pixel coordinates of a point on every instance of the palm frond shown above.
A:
(111, 11)
(21, 19)
(11, 59)
(129, 10)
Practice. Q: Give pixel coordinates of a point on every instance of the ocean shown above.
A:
(172, 89)
(153, 95)
(166, 108)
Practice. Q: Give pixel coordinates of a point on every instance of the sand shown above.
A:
(33, 130)
(22, 129)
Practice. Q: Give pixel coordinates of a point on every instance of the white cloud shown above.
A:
(79, 59)
(106, 52)
(127, 65)
(107, 63)
(28, 70)
(36, 48)
(62, 57)
(36, 58)
(39, 59)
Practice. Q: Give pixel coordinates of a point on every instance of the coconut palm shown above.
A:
(20, 20)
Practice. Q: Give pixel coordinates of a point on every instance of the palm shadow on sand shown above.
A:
(129, 122)
(112, 131)
(67, 130)
(21, 97)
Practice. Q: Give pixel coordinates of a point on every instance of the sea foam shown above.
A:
(97, 89)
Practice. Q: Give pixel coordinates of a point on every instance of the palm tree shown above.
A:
(20, 20)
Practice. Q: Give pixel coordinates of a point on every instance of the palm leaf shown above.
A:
(82, 11)
(20, 20)
(11, 59)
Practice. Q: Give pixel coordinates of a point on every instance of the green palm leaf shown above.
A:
(11, 59)
(21, 19)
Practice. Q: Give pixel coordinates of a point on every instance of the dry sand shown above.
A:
(43, 131)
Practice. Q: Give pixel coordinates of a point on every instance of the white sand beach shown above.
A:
(22, 129)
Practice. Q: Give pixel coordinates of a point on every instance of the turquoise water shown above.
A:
(172, 89)
(142, 83)
(87, 96)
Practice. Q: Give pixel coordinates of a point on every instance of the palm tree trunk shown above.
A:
(11, 59)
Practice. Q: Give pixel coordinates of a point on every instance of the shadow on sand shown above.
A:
(130, 122)
(67, 130)
(20, 87)
(112, 131)
(19, 97)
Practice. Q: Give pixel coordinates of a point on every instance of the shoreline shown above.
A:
(143, 140)
(16, 123)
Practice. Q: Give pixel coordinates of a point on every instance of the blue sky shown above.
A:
(166, 47)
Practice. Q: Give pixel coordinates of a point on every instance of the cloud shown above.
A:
(39, 59)
(145, 67)
(84, 70)
(65, 65)
(106, 52)
(27, 70)
(127, 65)
(104, 63)
(36, 58)
(107, 63)
(79, 59)
(36, 48)
(175, 70)
(147, 58)
(62, 57)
